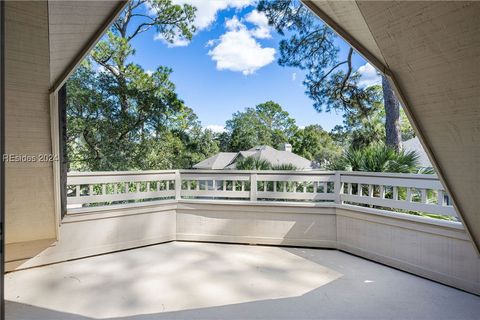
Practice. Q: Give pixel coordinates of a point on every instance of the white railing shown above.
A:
(88, 188)
(393, 192)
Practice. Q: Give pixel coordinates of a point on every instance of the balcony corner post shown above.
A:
(337, 187)
(178, 185)
(253, 187)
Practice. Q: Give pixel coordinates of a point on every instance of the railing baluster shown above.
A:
(409, 194)
(148, 186)
(360, 189)
(90, 190)
(104, 189)
(440, 198)
(424, 195)
(77, 190)
(382, 191)
(395, 193)
(243, 185)
(370, 190)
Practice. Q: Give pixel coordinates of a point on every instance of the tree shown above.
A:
(392, 116)
(266, 124)
(122, 118)
(359, 130)
(315, 144)
(330, 79)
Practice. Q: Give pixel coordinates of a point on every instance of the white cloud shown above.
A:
(294, 76)
(149, 72)
(207, 9)
(260, 20)
(178, 42)
(205, 15)
(238, 50)
(216, 128)
(369, 76)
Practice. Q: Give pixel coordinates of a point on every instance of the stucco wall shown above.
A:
(433, 249)
(29, 199)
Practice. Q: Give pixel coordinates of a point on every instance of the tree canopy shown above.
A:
(266, 124)
(330, 81)
(120, 117)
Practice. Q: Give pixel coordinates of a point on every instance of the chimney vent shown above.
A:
(286, 147)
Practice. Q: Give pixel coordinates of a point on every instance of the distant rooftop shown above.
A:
(415, 145)
(227, 160)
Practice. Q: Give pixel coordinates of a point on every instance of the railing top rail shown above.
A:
(389, 175)
(195, 171)
(286, 172)
(118, 173)
(276, 172)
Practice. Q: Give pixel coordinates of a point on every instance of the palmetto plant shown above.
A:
(285, 167)
(252, 163)
(378, 158)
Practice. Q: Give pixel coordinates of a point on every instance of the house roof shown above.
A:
(415, 145)
(226, 160)
(218, 161)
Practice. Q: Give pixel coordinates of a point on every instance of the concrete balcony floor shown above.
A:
(186, 280)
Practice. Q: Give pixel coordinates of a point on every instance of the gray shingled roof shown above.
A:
(226, 160)
(415, 145)
(218, 161)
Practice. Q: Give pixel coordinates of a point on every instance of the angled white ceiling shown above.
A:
(73, 27)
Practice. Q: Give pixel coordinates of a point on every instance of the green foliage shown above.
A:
(315, 144)
(266, 124)
(252, 163)
(377, 157)
(360, 130)
(285, 167)
(310, 45)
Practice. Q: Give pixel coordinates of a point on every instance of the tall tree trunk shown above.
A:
(392, 116)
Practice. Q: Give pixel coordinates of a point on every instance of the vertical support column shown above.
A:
(178, 185)
(2, 152)
(57, 190)
(253, 187)
(337, 186)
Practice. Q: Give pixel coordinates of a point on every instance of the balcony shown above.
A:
(403, 221)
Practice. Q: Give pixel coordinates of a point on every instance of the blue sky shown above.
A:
(231, 64)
